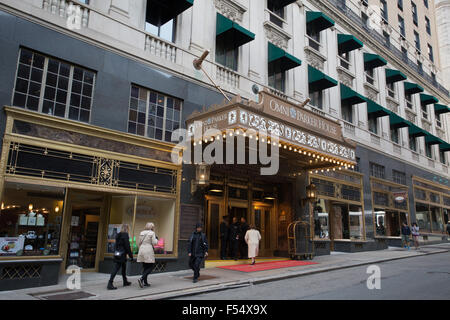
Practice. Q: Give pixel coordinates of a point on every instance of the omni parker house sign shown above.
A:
(296, 128)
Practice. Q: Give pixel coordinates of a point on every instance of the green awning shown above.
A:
(394, 76)
(432, 139)
(160, 12)
(395, 121)
(372, 61)
(353, 97)
(440, 108)
(318, 80)
(232, 32)
(347, 42)
(281, 60)
(427, 99)
(318, 20)
(444, 146)
(415, 131)
(412, 88)
(376, 109)
(278, 4)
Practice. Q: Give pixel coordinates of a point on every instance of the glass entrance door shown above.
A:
(213, 224)
(263, 225)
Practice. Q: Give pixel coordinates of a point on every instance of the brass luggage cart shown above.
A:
(300, 244)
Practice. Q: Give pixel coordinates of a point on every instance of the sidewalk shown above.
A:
(175, 284)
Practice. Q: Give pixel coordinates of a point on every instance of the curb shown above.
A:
(236, 284)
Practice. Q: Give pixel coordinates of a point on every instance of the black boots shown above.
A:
(111, 286)
(126, 283)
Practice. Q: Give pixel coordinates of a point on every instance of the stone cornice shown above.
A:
(330, 10)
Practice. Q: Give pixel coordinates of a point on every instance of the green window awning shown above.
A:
(319, 81)
(347, 42)
(396, 122)
(318, 20)
(427, 99)
(432, 139)
(394, 76)
(278, 4)
(440, 108)
(280, 59)
(444, 146)
(376, 109)
(415, 131)
(232, 32)
(372, 61)
(160, 12)
(353, 97)
(412, 88)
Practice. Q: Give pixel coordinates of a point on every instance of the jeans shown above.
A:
(148, 268)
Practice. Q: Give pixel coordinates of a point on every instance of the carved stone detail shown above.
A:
(345, 76)
(371, 92)
(276, 36)
(410, 115)
(392, 104)
(230, 9)
(314, 59)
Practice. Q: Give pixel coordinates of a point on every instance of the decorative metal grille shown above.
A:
(160, 267)
(26, 160)
(381, 198)
(350, 193)
(324, 188)
(22, 271)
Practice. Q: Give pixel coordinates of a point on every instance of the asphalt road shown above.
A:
(423, 278)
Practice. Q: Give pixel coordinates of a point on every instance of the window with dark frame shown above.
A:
(152, 114)
(376, 170)
(276, 13)
(54, 87)
(384, 10)
(401, 26)
(226, 53)
(413, 143)
(417, 40)
(400, 4)
(399, 177)
(428, 25)
(414, 13)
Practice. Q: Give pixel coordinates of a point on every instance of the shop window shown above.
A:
(322, 219)
(141, 210)
(30, 220)
(347, 221)
(356, 225)
(437, 221)
(420, 194)
(53, 87)
(153, 114)
(388, 223)
(423, 217)
(435, 197)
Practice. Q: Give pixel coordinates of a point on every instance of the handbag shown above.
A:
(118, 253)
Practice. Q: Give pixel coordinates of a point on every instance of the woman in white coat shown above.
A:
(252, 238)
(146, 255)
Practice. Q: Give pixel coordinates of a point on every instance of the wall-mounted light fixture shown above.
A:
(202, 171)
(311, 195)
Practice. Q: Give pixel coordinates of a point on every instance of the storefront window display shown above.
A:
(137, 212)
(355, 216)
(321, 219)
(30, 220)
(437, 223)
(388, 222)
(422, 217)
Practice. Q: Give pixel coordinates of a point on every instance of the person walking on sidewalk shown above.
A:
(415, 234)
(252, 238)
(146, 255)
(122, 249)
(406, 231)
(224, 232)
(235, 230)
(197, 250)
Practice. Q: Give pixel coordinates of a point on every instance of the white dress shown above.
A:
(252, 238)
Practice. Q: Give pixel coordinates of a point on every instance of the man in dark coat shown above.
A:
(235, 230)
(224, 231)
(122, 249)
(243, 248)
(197, 250)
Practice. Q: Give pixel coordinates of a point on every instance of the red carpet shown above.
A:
(267, 265)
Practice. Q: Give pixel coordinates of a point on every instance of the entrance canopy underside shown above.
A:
(303, 139)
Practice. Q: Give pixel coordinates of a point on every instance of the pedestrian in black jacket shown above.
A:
(197, 250)
(243, 247)
(224, 231)
(448, 227)
(122, 249)
(235, 230)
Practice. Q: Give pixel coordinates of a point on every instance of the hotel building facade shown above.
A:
(92, 91)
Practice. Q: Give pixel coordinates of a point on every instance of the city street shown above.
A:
(422, 278)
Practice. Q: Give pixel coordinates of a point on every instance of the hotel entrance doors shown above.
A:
(262, 222)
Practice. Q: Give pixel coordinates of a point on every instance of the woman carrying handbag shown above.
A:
(122, 249)
(146, 255)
